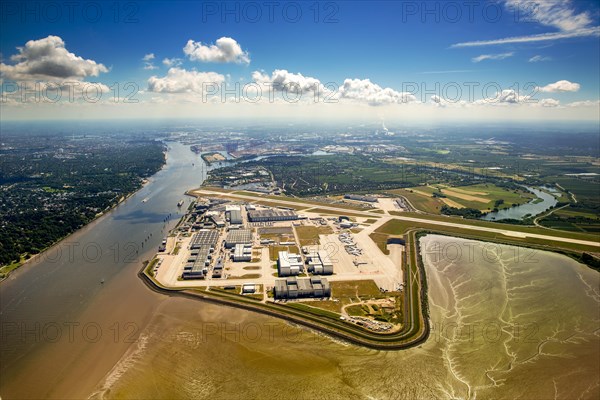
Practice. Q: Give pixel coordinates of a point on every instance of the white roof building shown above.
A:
(289, 264)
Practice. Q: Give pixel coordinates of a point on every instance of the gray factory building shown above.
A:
(202, 246)
(238, 236)
(294, 288)
(242, 252)
(235, 217)
(204, 237)
(319, 263)
(197, 263)
(271, 215)
(289, 264)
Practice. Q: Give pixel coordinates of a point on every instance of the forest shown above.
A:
(52, 185)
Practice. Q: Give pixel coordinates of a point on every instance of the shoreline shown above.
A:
(415, 331)
(96, 219)
(346, 333)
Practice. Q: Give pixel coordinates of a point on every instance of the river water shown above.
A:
(62, 329)
(532, 208)
(534, 325)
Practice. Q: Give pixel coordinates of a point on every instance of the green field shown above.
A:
(497, 225)
(481, 197)
(570, 212)
(586, 190)
(573, 218)
(494, 192)
(348, 292)
(309, 235)
(427, 204)
(331, 212)
(300, 200)
(399, 227)
(260, 199)
(380, 240)
(245, 276)
(305, 306)
(353, 173)
(275, 204)
(274, 251)
(365, 289)
(583, 215)
(7, 269)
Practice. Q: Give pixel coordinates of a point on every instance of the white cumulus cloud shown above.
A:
(225, 50)
(438, 100)
(179, 80)
(585, 103)
(282, 80)
(48, 59)
(503, 98)
(560, 86)
(442, 102)
(549, 102)
(373, 94)
(356, 90)
(172, 62)
(148, 64)
(508, 96)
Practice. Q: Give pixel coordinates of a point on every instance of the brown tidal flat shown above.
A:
(502, 327)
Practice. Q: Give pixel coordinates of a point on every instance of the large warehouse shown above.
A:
(204, 238)
(271, 215)
(289, 264)
(197, 263)
(319, 263)
(293, 288)
(202, 246)
(238, 236)
(242, 252)
(235, 217)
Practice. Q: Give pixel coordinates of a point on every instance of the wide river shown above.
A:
(62, 329)
(506, 323)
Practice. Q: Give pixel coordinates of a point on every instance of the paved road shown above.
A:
(370, 214)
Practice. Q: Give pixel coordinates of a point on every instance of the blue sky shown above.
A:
(393, 44)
